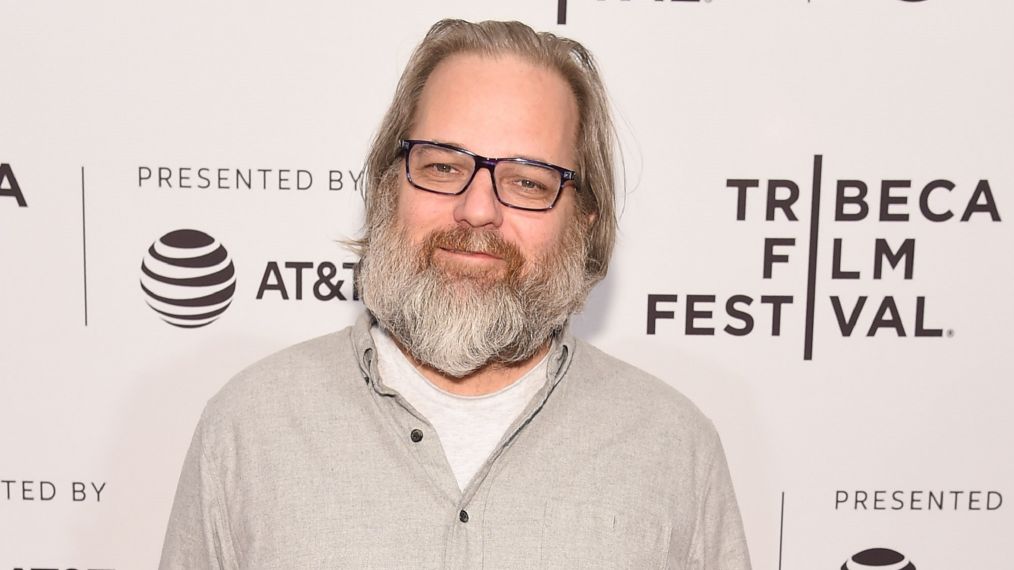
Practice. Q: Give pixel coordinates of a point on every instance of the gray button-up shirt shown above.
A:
(307, 460)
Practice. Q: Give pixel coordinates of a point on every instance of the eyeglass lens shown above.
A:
(448, 171)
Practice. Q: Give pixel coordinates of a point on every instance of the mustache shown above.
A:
(460, 238)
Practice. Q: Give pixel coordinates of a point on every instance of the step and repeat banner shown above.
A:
(816, 247)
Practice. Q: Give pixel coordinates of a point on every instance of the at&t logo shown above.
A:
(878, 559)
(188, 278)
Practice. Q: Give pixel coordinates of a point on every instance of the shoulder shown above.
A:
(640, 430)
(304, 362)
(292, 381)
(623, 394)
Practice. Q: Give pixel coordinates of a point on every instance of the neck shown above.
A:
(486, 380)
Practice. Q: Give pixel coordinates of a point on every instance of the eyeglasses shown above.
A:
(517, 182)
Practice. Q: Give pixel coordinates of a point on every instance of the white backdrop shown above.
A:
(99, 396)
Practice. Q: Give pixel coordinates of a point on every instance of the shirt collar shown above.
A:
(366, 353)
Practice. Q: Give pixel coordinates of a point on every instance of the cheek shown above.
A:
(418, 213)
(537, 233)
(533, 236)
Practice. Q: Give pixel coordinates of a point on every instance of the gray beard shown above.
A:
(458, 324)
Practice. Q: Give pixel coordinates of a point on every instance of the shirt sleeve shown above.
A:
(719, 542)
(198, 534)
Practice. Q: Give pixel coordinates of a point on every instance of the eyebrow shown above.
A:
(518, 155)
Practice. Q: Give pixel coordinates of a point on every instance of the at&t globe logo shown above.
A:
(878, 559)
(188, 278)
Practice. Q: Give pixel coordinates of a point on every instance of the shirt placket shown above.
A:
(417, 435)
(464, 509)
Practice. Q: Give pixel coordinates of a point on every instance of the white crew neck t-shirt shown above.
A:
(469, 427)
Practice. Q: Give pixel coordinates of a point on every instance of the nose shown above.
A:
(478, 206)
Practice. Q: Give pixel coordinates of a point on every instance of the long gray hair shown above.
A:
(570, 59)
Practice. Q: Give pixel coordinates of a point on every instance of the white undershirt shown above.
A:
(468, 427)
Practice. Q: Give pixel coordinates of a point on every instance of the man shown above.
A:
(458, 424)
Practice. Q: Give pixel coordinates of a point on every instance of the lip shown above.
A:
(474, 255)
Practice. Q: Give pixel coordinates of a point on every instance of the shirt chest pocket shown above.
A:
(585, 535)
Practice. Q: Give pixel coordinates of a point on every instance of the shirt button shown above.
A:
(463, 516)
(416, 435)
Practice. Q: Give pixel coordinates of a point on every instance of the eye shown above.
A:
(436, 163)
(441, 168)
(530, 185)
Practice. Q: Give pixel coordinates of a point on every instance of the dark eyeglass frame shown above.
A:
(566, 175)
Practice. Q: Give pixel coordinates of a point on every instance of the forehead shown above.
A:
(499, 106)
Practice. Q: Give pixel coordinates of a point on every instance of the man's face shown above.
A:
(497, 107)
(464, 281)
